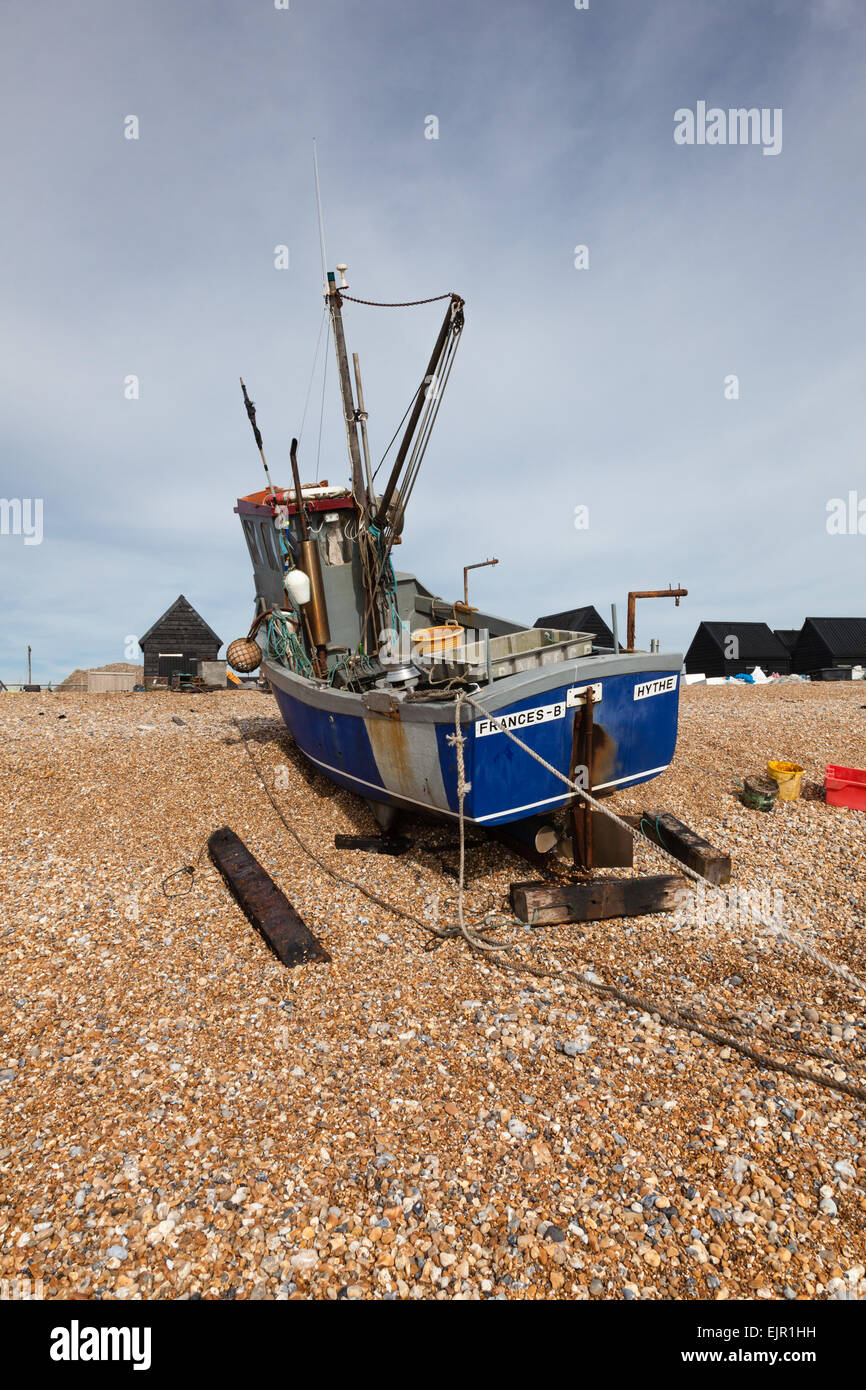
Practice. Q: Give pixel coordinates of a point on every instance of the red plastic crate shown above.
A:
(846, 786)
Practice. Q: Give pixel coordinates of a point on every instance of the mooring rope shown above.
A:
(463, 787)
(666, 1013)
(842, 971)
(447, 933)
(690, 1021)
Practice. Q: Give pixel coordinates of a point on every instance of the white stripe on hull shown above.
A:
(476, 820)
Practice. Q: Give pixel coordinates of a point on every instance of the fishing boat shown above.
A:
(368, 665)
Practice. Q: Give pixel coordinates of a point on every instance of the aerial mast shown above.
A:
(350, 413)
(335, 305)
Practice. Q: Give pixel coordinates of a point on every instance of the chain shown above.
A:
(406, 304)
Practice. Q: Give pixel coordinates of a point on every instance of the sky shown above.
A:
(695, 383)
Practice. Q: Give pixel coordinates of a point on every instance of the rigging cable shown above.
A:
(312, 374)
(321, 218)
(428, 420)
(398, 429)
(322, 411)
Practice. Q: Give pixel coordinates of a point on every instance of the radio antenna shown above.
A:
(321, 219)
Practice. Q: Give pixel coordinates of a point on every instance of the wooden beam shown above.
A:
(266, 905)
(596, 901)
(686, 845)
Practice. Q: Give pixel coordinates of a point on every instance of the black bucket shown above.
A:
(759, 793)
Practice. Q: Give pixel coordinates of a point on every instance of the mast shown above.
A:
(350, 414)
(335, 304)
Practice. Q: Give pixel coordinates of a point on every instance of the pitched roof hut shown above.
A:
(730, 649)
(580, 620)
(177, 641)
(825, 643)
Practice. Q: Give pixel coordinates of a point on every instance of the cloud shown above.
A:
(602, 387)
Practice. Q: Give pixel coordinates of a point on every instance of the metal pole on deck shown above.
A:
(466, 568)
(362, 420)
(349, 412)
(251, 414)
(634, 594)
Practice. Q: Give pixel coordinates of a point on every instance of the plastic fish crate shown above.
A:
(846, 786)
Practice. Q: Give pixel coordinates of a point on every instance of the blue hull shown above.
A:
(405, 760)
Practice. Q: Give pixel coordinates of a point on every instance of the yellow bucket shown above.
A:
(439, 642)
(789, 777)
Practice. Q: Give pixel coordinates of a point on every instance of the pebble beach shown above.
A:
(183, 1117)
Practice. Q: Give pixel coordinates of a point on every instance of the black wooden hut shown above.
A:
(177, 641)
(580, 620)
(732, 649)
(826, 644)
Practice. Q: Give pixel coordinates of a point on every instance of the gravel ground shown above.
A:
(183, 1117)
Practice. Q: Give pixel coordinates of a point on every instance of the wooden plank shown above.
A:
(266, 906)
(686, 845)
(596, 901)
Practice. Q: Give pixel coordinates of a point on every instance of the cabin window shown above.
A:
(262, 544)
(270, 546)
(258, 555)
